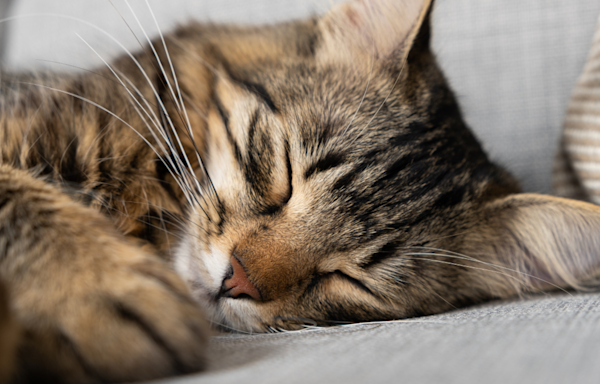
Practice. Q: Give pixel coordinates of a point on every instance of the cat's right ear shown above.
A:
(359, 31)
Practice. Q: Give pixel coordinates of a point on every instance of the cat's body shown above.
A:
(320, 172)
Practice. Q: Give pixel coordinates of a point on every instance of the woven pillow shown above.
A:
(577, 167)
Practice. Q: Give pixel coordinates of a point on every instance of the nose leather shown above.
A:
(238, 284)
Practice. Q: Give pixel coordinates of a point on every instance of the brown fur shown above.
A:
(9, 334)
(331, 179)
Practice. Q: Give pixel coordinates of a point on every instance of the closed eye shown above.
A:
(317, 279)
(279, 200)
(255, 161)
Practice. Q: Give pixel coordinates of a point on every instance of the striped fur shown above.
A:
(312, 172)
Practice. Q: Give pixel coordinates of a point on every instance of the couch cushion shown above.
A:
(546, 339)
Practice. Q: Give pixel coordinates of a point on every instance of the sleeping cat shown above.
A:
(313, 172)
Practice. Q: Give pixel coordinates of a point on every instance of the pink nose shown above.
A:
(238, 284)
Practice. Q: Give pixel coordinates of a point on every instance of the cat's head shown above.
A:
(344, 185)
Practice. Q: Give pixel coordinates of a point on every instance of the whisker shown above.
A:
(106, 34)
(461, 256)
(184, 186)
(297, 319)
(174, 97)
(228, 327)
(215, 71)
(181, 226)
(412, 256)
(103, 109)
(205, 63)
(162, 79)
(78, 68)
(415, 257)
(212, 188)
(126, 24)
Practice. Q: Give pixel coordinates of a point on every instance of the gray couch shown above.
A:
(513, 64)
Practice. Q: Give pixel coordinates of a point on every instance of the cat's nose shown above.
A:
(236, 283)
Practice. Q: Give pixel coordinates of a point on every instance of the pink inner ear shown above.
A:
(372, 27)
(353, 17)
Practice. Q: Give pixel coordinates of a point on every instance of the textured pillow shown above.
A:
(577, 168)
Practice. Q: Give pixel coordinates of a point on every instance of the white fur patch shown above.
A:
(200, 268)
(216, 263)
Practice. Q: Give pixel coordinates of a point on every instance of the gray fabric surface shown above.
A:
(513, 64)
(39, 34)
(541, 340)
(5, 6)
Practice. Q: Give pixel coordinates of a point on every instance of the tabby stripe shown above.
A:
(451, 197)
(251, 134)
(225, 118)
(70, 168)
(386, 251)
(288, 164)
(255, 173)
(261, 92)
(36, 376)
(413, 162)
(257, 89)
(128, 314)
(355, 282)
(349, 177)
(329, 161)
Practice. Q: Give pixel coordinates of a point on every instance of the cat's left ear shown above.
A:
(361, 30)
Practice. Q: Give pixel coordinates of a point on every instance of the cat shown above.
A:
(256, 179)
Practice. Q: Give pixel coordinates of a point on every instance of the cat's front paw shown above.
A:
(93, 306)
(116, 322)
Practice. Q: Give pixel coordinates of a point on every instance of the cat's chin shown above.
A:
(235, 315)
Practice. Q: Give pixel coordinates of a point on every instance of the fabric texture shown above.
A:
(577, 169)
(513, 64)
(549, 340)
(5, 6)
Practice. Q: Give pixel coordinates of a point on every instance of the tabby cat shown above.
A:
(313, 172)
